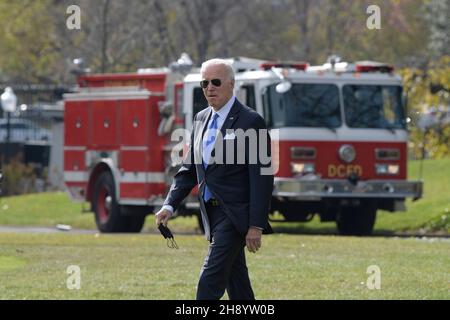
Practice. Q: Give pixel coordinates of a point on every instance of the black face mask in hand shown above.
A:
(165, 231)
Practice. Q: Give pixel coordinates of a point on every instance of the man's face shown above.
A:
(217, 96)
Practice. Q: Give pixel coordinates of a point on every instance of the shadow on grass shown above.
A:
(327, 229)
(189, 226)
(301, 229)
(307, 230)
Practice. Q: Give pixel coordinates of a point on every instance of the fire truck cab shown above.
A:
(339, 140)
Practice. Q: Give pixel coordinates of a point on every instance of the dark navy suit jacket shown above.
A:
(243, 193)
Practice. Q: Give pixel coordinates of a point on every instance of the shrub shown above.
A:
(19, 178)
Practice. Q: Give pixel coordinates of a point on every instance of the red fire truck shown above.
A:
(338, 132)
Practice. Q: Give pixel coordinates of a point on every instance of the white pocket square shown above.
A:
(229, 136)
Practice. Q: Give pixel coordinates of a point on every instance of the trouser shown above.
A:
(224, 266)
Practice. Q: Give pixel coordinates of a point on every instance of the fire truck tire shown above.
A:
(134, 223)
(357, 221)
(134, 217)
(108, 215)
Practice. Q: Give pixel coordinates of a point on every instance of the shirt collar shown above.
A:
(223, 112)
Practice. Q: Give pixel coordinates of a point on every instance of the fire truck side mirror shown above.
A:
(166, 111)
(165, 125)
(165, 108)
(283, 86)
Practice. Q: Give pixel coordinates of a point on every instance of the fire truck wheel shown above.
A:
(357, 221)
(108, 215)
(134, 218)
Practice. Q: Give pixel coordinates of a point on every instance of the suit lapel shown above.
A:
(231, 117)
(199, 129)
(228, 124)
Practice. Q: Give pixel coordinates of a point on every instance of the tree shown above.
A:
(438, 17)
(123, 35)
(426, 89)
(27, 47)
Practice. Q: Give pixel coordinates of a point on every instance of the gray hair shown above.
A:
(222, 62)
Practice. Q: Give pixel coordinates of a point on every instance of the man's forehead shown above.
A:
(214, 69)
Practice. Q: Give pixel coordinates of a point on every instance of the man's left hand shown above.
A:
(253, 239)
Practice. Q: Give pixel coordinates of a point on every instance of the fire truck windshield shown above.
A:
(304, 105)
(374, 106)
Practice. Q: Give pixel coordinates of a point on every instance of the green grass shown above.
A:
(44, 209)
(33, 266)
(430, 214)
(434, 204)
(289, 266)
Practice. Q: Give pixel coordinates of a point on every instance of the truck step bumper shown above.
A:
(297, 189)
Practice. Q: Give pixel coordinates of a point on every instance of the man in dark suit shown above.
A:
(234, 193)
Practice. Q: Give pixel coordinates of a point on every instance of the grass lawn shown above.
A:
(430, 214)
(290, 266)
(125, 266)
(44, 209)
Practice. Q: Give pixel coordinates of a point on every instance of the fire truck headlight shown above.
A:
(302, 168)
(387, 169)
(303, 153)
(347, 153)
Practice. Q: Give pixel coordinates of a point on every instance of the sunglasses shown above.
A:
(214, 82)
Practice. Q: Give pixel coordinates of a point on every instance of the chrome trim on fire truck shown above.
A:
(107, 95)
(343, 134)
(75, 176)
(133, 177)
(108, 89)
(156, 177)
(133, 202)
(142, 177)
(315, 190)
(94, 157)
(193, 205)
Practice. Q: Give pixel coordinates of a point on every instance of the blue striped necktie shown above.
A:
(207, 148)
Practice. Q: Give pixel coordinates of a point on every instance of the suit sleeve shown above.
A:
(261, 181)
(184, 180)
